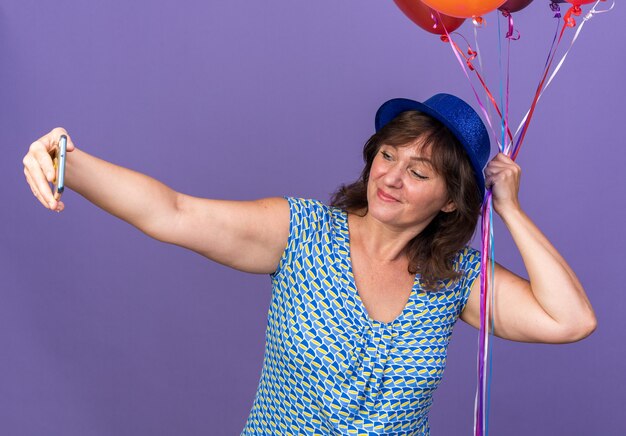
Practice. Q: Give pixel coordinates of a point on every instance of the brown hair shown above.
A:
(432, 252)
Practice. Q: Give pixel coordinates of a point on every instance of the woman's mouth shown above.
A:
(385, 197)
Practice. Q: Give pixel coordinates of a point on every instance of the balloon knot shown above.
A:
(513, 36)
(478, 21)
(569, 21)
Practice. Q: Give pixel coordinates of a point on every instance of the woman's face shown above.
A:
(404, 190)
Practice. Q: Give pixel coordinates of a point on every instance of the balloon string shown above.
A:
(480, 103)
(486, 352)
(469, 57)
(483, 327)
(557, 14)
(508, 69)
(505, 104)
(514, 35)
(487, 268)
(469, 60)
(478, 421)
(482, 400)
(492, 311)
(502, 104)
(485, 357)
(587, 17)
(478, 52)
(531, 111)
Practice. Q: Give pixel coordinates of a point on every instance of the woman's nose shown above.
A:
(393, 176)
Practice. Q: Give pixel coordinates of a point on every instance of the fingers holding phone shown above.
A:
(44, 164)
(59, 167)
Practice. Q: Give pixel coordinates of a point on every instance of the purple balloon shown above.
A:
(514, 5)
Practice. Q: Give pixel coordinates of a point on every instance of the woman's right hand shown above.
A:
(39, 168)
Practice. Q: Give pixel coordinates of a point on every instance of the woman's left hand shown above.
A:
(502, 176)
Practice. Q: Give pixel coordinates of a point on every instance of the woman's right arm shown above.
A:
(247, 235)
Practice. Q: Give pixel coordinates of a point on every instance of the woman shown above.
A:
(366, 292)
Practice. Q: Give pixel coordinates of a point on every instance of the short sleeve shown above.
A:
(468, 264)
(305, 219)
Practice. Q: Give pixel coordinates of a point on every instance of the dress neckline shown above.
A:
(344, 228)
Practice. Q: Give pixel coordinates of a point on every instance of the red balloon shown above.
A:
(422, 15)
(514, 5)
(580, 2)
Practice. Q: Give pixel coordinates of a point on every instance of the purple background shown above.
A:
(104, 331)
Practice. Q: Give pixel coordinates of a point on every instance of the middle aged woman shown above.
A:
(365, 291)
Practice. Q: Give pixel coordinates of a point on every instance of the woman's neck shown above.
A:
(379, 242)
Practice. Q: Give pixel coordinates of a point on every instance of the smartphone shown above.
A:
(59, 167)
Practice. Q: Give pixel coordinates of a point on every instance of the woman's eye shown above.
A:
(385, 155)
(418, 175)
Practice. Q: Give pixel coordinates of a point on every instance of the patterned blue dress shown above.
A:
(328, 368)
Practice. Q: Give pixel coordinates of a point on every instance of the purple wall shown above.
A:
(104, 331)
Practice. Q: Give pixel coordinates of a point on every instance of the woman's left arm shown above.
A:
(553, 306)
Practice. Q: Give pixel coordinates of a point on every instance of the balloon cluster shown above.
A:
(443, 17)
(437, 16)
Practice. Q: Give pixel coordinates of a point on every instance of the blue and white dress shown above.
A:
(328, 368)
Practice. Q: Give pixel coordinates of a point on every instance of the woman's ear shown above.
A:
(449, 207)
